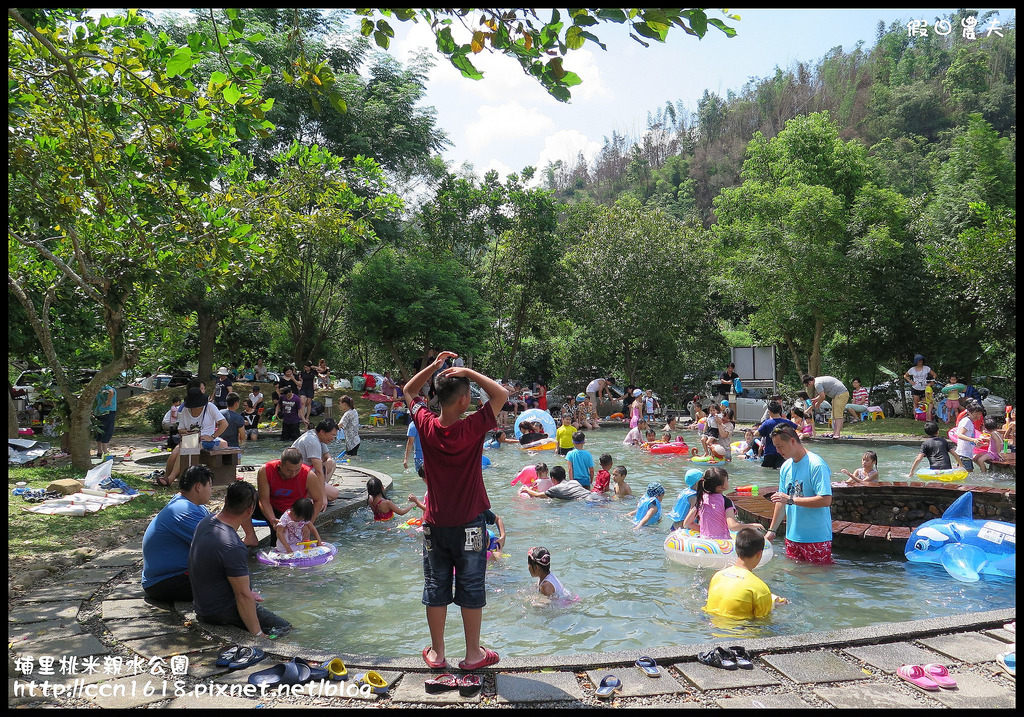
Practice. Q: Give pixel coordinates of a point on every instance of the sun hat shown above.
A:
(581, 397)
(195, 398)
(637, 393)
(692, 476)
(223, 371)
(918, 357)
(655, 490)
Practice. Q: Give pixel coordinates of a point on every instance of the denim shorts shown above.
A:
(211, 445)
(455, 555)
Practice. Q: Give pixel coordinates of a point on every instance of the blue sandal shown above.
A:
(648, 666)
(609, 684)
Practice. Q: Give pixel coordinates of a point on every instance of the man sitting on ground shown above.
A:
(168, 538)
(218, 566)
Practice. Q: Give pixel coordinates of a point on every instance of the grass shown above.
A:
(891, 427)
(38, 536)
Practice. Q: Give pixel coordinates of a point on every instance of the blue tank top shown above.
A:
(643, 506)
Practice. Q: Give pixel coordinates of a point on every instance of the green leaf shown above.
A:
(573, 38)
(381, 39)
(232, 94)
(642, 28)
(231, 12)
(338, 103)
(366, 28)
(181, 61)
(218, 77)
(612, 14)
(463, 64)
(729, 32)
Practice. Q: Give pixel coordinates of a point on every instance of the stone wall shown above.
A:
(910, 506)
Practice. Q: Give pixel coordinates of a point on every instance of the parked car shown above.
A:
(886, 395)
(29, 383)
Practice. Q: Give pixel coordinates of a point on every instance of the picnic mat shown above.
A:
(86, 501)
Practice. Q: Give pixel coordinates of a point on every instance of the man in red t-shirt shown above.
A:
(280, 483)
(454, 533)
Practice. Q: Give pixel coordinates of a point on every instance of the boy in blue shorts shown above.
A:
(454, 530)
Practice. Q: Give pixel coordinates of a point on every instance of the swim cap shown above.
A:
(655, 490)
(692, 476)
(637, 393)
(581, 397)
(725, 402)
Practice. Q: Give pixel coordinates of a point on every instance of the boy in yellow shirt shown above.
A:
(737, 593)
(564, 435)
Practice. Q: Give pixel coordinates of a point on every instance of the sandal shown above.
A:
(743, 659)
(490, 658)
(609, 684)
(469, 685)
(442, 665)
(718, 657)
(441, 683)
(648, 666)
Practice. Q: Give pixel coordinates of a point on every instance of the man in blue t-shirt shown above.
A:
(772, 459)
(581, 463)
(412, 444)
(168, 537)
(803, 500)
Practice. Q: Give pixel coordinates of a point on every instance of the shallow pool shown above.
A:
(631, 597)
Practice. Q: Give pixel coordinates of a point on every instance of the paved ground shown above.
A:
(93, 640)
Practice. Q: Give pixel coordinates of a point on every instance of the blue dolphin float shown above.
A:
(965, 547)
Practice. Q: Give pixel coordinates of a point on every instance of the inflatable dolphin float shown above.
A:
(965, 547)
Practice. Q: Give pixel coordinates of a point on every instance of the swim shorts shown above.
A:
(818, 553)
(455, 554)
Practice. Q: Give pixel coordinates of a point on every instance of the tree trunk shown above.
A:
(814, 362)
(79, 432)
(792, 352)
(12, 415)
(403, 372)
(517, 335)
(208, 325)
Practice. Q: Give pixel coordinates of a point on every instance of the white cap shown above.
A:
(637, 392)
(222, 371)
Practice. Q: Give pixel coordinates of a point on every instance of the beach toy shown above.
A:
(527, 476)
(616, 417)
(705, 459)
(746, 490)
(737, 386)
(485, 461)
(965, 547)
(947, 475)
(954, 386)
(535, 414)
(544, 444)
(687, 547)
(316, 555)
(676, 448)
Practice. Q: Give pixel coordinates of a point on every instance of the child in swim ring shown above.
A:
(602, 479)
(867, 474)
(716, 513)
(296, 526)
(952, 399)
(538, 561)
(737, 593)
(383, 509)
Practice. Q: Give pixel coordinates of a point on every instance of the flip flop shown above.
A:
(245, 657)
(441, 683)
(915, 675)
(316, 673)
(490, 658)
(442, 665)
(285, 673)
(718, 657)
(1011, 627)
(469, 685)
(374, 679)
(743, 659)
(228, 656)
(940, 675)
(1008, 661)
(336, 670)
(609, 684)
(648, 666)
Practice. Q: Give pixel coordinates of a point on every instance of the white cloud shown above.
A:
(565, 145)
(500, 123)
(497, 165)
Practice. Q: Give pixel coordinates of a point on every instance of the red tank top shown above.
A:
(285, 492)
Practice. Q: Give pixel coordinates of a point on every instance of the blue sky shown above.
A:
(507, 121)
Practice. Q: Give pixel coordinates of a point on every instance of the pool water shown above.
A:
(368, 600)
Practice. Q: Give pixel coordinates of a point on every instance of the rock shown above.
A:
(933, 510)
(83, 554)
(65, 486)
(39, 567)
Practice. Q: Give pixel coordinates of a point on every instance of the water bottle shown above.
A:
(747, 490)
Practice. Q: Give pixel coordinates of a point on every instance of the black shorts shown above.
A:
(918, 393)
(354, 451)
(711, 432)
(289, 431)
(507, 406)
(176, 588)
(772, 460)
(307, 392)
(563, 451)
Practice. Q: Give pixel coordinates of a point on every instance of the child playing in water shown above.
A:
(936, 450)
(710, 429)
(716, 512)
(686, 499)
(635, 435)
(563, 435)
(538, 561)
(748, 448)
(648, 510)
(867, 474)
(805, 428)
(603, 477)
(619, 482)
(296, 526)
(952, 405)
(650, 436)
(383, 509)
(986, 452)
(736, 592)
(560, 488)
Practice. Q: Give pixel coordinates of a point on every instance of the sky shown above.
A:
(507, 121)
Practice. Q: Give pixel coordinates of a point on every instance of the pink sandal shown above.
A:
(915, 675)
(940, 675)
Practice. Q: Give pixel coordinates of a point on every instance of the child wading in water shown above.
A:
(867, 474)
(296, 526)
(538, 560)
(383, 509)
(622, 488)
(716, 512)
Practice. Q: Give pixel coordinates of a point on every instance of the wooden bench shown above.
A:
(223, 462)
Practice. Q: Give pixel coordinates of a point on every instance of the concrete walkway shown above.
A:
(111, 647)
